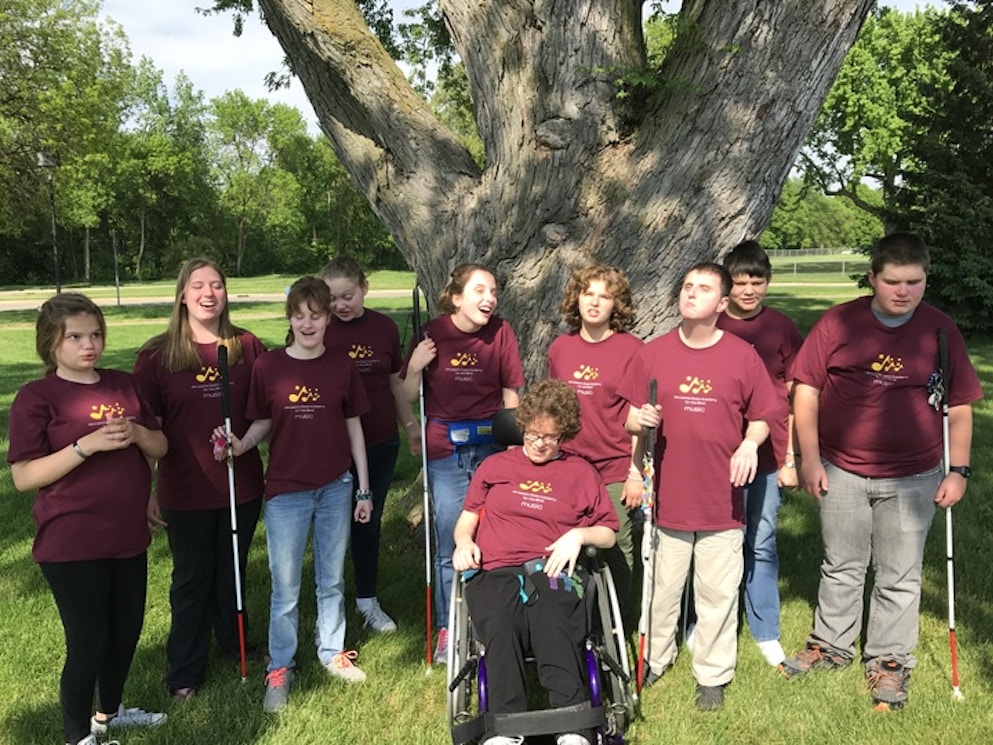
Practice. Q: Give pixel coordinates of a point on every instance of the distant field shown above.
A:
(803, 270)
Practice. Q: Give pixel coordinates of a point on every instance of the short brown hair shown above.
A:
(617, 284)
(50, 328)
(310, 291)
(902, 248)
(554, 399)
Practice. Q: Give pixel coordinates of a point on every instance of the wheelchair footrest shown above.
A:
(541, 722)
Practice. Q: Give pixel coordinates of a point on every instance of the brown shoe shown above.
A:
(814, 657)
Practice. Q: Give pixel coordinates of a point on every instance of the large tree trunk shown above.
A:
(573, 172)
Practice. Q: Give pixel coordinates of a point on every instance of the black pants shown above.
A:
(365, 536)
(553, 628)
(202, 593)
(102, 606)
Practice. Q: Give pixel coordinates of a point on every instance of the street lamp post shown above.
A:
(46, 161)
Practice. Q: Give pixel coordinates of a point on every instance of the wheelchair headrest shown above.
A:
(505, 429)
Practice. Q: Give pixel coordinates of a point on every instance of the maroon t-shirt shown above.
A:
(707, 396)
(189, 404)
(529, 506)
(465, 381)
(97, 510)
(594, 370)
(777, 340)
(372, 342)
(308, 402)
(874, 415)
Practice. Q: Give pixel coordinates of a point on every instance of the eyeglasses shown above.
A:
(533, 439)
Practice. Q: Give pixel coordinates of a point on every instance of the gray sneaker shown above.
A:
(341, 666)
(277, 690)
(125, 718)
(709, 698)
(374, 616)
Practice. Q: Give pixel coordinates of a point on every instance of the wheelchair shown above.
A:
(612, 702)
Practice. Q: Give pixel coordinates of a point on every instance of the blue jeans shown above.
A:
(448, 480)
(762, 499)
(885, 522)
(288, 518)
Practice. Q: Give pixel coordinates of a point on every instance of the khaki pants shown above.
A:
(717, 572)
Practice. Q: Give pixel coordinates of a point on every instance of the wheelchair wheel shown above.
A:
(460, 667)
(613, 664)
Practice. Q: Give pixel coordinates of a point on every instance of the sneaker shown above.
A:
(341, 667)
(813, 657)
(91, 739)
(772, 650)
(570, 738)
(652, 677)
(125, 718)
(503, 740)
(441, 648)
(277, 690)
(709, 698)
(374, 616)
(888, 683)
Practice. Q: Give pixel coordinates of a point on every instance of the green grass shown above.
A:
(401, 703)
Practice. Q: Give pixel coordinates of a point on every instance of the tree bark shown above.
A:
(573, 172)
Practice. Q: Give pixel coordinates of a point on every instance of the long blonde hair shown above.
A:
(176, 347)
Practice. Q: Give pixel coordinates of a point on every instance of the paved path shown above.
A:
(9, 300)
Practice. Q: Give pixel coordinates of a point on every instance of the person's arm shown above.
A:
(634, 484)
(356, 441)
(467, 554)
(806, 408)
(745, 460)
(405, 415)
(952, 487)
(257, 431)
(511, 399)
(788, 477)
(115, 434)
(565, 550)
(420, 358)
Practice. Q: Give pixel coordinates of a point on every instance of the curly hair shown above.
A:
(554, 399)
(617, 284)
(456, 286)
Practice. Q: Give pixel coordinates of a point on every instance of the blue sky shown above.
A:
(176, 38)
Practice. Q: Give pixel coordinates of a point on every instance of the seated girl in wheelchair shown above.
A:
(526, 590)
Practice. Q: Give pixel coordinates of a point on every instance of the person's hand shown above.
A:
(467, 556)
(650, 416)
(117, 433)
(950, 490)
(813, 478)
(422, 355)
(632, 493)
(363, 511)
(154, 515)
(744, 462)
(414, 443)
(788, 478)
(563, 553)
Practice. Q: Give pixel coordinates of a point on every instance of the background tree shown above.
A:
(573, 172)
(874, 108)
(62, 77)
(948, 193)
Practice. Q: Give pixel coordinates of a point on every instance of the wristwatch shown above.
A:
(362, 494)
(963, 471)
